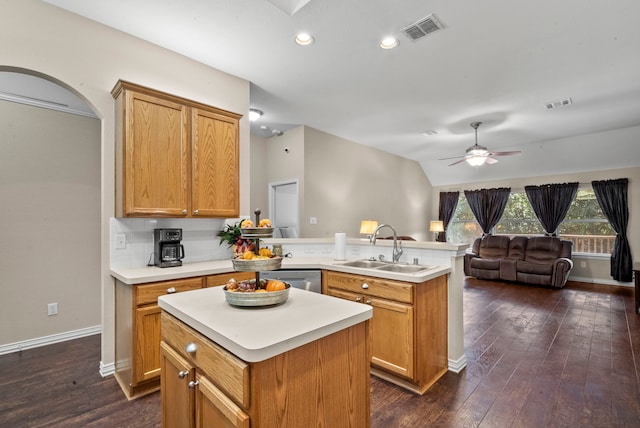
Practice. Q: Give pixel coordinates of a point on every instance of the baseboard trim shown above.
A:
(600, 281)
(49, 340)
(458, 365)
(107, 369)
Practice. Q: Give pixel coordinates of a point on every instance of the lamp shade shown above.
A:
(367, 227)
(436, 226)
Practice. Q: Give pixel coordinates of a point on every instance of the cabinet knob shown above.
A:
(358, 299)
(191, 347)
(193, 384)
(171, 290)
(368, 301)
(365, 285)
(183, 373)
(196, 212)
(184, 212)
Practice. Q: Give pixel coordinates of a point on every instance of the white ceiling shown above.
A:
(497, 62)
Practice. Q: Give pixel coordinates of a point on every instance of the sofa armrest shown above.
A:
(561, 269)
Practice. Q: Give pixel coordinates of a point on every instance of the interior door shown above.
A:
(284, 208)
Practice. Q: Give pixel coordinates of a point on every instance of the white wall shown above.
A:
(50, 217)
(89, 58)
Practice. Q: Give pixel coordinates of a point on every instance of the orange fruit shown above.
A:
(275, 285)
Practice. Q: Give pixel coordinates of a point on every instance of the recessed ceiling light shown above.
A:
(254, 114)
(304, 39)
(389, 43)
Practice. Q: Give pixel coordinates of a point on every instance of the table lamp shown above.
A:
(436, 226)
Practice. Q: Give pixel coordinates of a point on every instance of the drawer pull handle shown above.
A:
(365, 285)
(368, 301)
(171, 290)
(193, 384)
(196, 212)
(183, 373)
(191, 347)
(184, 211)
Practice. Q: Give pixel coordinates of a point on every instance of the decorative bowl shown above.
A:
(243, 265)
(253, 299)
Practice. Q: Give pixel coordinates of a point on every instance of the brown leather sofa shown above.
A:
(541, 260)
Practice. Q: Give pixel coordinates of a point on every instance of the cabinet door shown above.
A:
(147, 344)
(176, 391)
(214, 409)
(392, 332)
(156, 154)
(215, 190)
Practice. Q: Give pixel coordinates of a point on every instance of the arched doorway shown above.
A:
(50, 187)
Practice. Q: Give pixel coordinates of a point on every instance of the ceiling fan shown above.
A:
(479, 155)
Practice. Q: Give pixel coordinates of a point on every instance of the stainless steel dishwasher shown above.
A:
(304, 279)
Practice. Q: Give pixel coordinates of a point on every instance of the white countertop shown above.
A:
(151, 273)
(256, 334)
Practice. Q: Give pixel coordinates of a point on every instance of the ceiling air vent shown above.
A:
(423, 27)
(560, 103)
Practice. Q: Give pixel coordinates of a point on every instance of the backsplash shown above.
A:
(198, 237)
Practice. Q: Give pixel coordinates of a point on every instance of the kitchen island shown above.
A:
(304, 362)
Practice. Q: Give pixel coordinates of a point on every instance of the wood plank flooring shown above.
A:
(536, 357)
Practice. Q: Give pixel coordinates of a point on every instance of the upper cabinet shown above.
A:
(174, 157)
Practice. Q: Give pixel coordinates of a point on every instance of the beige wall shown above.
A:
(50, 193)
(596, 268)
(89, 58)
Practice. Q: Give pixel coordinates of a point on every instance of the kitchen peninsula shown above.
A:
(294, 364)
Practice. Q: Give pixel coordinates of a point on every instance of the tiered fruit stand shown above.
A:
(256, 299)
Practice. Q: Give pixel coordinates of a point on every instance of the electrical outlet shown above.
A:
(121, 241)
(583, 264)
(52, 309)
(313, 220)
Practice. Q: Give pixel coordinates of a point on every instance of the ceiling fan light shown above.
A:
(476, 160)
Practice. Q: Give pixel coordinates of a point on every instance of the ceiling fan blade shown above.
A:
(491, 161)
(517, 152)
(464, 158)
(453, 157)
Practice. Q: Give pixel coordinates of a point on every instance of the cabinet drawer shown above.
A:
(225, 370)
(385, 288)
(223, 278)
(149, 293)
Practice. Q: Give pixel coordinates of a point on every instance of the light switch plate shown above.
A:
(313, 220)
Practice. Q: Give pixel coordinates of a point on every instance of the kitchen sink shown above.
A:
(367, 264)
(402, 268)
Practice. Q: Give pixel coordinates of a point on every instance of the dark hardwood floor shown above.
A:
(536, 357)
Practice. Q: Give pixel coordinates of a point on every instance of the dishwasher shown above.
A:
(304, 279)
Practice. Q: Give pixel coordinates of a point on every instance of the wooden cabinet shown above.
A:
(302, 387)
(408, 328)
(174, 157)
(138, 328)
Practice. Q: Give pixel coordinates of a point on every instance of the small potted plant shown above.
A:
(232, 236)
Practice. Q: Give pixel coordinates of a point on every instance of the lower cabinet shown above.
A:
(408, 328)
(204, 385)
(138, 328)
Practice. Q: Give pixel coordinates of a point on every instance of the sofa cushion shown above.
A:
(535, 268)
(518, 247)
(491, 264)
(543, 249)
(494, 247)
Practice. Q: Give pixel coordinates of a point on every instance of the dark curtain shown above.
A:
(487, 206)
(612, 198)
(448, 204)
(551, 202)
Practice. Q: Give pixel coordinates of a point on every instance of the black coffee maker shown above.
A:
(167, 250)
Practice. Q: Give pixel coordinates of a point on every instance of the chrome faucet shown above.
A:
(397, 246)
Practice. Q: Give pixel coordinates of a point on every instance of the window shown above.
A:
(585, 223)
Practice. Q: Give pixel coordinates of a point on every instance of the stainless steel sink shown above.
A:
(367, 264)
(402, 268)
